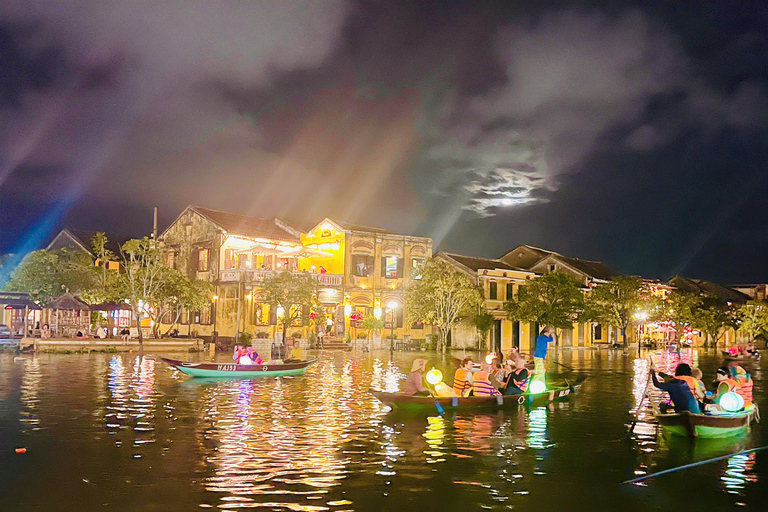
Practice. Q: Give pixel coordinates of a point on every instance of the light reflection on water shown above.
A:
(321, 442)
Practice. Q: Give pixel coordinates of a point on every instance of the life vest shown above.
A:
(482, 386)
(744, 388)
(521, 384)
(692, 383)
(460, 382)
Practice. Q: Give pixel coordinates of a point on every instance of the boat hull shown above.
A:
(226, 370)
(409, 402)
(686, 424)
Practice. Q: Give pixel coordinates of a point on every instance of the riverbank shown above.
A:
(68, 345)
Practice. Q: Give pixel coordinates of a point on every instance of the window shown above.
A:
(417, 265)
(204, 316)
(552, 267)
(295, 314)
(171, 262)
(391, 267)
(260, 314)
(230, 260)
(362, 265)
(493, 290)
(510, 291)
(598, 332)
(202, 260)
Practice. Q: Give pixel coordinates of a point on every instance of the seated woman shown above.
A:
(517, 378)
(414, 384)
(462, 379)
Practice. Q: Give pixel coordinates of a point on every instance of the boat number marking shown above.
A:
(264, 368)
(227, 367)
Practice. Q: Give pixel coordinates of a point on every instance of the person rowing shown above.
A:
(414, 385)
(678, 389)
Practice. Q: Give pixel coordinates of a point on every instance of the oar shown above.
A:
(693, 464)
(645, 395)
(439, 407)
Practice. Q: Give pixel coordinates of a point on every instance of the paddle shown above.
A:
(693, 464)
(439, 407)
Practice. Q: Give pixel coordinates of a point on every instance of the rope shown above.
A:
(693, 464)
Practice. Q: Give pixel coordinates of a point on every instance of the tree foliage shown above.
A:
(552, 299)
(483, 322)
(372, 324)
(295, 293)
(617, 302)
(712, 316)
(48, 274)
(753, 318)
(143, 278)
(441, 297)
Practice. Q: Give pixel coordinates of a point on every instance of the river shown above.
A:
(122, 433)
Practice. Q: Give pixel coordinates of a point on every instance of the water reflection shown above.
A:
(132, 400)
(30, 393)
(739, 471)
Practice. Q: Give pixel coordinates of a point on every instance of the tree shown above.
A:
(441, 297)
(712, 316)
(177, 292)
(553, 299)
(48, 274)
(681, 308)
(371, 323)
(107, 281)
(616, 302)
(483, 322)
(753, 319)
(143, 278)
(295, 294)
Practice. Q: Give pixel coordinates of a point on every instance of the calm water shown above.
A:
(113, 432)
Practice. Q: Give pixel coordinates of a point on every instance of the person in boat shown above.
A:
(481, 385)
(700, 390)
(540, 351)
(296, 354)
(414, 385)
(738, 381)
(517, 378)
(462, 379)
(678, 389)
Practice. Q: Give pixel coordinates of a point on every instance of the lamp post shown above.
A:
(214, 334)
(392, 306)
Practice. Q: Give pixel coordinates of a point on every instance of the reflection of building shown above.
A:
(359, 270)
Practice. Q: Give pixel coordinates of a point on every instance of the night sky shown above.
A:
(631, 133)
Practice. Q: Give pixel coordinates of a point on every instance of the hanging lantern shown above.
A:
(434, 376)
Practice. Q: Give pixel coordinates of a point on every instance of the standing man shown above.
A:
(540, 351)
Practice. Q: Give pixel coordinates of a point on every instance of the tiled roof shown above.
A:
(476, 264)
(708, 288)
(356, 227)
(244, 225)
(594, 269)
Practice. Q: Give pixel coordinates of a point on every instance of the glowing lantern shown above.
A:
(537, 386)
(347, 310)
(280, 311)
(731, 401)
(377, 313)
(489, 358)
(434, 376)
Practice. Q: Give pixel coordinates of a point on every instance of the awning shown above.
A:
(110, 306)
(17, 300)
(68, 302)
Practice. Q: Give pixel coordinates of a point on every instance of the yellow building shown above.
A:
(360, 270)
(498, 282)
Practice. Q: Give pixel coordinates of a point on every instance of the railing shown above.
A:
(256, 276)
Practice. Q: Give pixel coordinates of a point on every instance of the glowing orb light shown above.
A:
(434, 376)
(489, 358)
(731, 401)
(537, 386)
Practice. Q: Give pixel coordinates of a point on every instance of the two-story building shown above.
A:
(360, 270)
(498, 282)
(585, 272)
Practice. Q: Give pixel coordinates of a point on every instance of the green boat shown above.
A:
(686, 424)
(234, 371)
(415, 402)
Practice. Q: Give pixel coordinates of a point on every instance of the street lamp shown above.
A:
(392, 306)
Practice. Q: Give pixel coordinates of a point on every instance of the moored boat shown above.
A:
(231, 370)
(740, 357)
(412, 402)
(688, 424)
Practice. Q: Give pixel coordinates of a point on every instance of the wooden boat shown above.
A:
(400, 401)
(705, 425)
(741, 357)
(231, 370)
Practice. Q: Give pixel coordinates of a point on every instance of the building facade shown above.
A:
(360, 271)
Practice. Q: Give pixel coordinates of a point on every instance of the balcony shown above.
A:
(257, 276)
